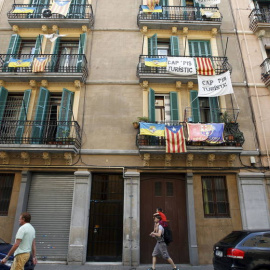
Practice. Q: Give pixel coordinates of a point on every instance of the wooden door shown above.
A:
(168, 192)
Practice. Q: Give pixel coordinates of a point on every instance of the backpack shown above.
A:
(167, 235)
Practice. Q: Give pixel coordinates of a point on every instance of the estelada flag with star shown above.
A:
(175, 139)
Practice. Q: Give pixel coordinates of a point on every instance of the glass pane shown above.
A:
(264, 242)
(169, 186)
(221, 208)
(252, 241)
(158, 188)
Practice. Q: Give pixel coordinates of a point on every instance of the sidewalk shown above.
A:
(92, 266)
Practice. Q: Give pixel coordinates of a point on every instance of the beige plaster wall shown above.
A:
(211, 230)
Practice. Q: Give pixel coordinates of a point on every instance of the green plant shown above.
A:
(226, 118)
(143, 119)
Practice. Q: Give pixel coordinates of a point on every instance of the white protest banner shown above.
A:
(181, 66)
(214, 86)
(208, 2)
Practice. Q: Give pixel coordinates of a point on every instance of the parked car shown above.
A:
(243, 250)
(4, 249)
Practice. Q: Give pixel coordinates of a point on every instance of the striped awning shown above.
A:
(204, 66)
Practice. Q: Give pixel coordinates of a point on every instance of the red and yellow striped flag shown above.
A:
(175, 139)
(204, 66)
(39, 64)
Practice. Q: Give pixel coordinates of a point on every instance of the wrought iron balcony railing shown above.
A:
(178, 13)
(220, 65)
(76, 11)
(232, 137)
(60, 63)
(265, 71)
(40, 132)
(258, 16)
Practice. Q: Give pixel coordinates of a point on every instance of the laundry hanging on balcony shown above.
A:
(175, 139)
(211, 14)
(208, 2)
(156, 62)
(210, 133)
(152, 3)
(204, 66)
(182, 66)
(61, 7)
(152, 129)
(13, 62)
(157, 9)
(24, 10)
(53, 37)
(214, 86)
(39, 64)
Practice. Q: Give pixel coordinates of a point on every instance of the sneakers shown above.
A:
(151, 268)
(176, 269)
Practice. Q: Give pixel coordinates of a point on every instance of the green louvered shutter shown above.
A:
(195, 106)
(151, 106)
(41, 115)
(23, 116)
(198, 11)
(55, 55)
(174, 106)
(38, 45)
(77, 9)
(65, 114)
(199, 48)
(13, 48)
(152, 45)
(214, 109)
(174, 44)
(163, 2)
(3, 100)
(81, 52)
(39, 5)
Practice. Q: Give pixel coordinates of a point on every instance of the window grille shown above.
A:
(6, 184)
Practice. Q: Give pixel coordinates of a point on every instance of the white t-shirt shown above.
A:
(27, 234)
(160, 228)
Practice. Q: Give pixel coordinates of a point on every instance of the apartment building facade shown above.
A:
(71, 87)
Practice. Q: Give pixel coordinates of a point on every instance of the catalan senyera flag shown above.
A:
(152, 129)
(204, 66)
(175, 139)
(20, 63)
(157, 9)
(152, 3)
(39, 64)
(61, 7)
(24, 10)
(155, 62)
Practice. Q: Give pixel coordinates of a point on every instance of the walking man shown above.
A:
(160, 248)
(24, 244)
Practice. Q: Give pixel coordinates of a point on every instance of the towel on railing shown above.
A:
(211, 14)
(61, 7)
(39, 64)
(204, 66)
(152, 3)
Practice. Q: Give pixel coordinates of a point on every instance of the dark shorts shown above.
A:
(160, 250)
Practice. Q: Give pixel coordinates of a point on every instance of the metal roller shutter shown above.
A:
(50, 203)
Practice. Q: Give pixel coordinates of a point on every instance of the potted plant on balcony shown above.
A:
(229, 124)
(239, 138)
(140, 119)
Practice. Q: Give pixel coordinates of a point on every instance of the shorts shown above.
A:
(160, 250)
(19, 261)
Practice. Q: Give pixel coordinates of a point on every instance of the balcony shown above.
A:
(195, 18)
(265, 75)
(64, 67)
(40, 136)
(78, 16)
(259, 19)
(160, 74)
(233, 137)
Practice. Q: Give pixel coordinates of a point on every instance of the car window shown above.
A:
(233, 237)
(264, 241)
(2, 241)
(252, 241)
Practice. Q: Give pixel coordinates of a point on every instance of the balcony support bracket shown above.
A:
(5, 157)
(189, 160)
(47, 158)
(25, 157)
(146, 159)
(168, 160)
(231, 160)
(210, 160)
(68, 158)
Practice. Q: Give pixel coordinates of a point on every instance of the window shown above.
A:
(264, 242)
(6, 184)
(215, 200)
(252, 241)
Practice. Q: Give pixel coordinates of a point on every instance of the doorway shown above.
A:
(105, 236)
(167, 191)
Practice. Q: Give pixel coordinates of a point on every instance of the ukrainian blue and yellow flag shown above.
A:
(152, 129)
(20, 63)
(24, 10)
(156, 62)
(157, 9)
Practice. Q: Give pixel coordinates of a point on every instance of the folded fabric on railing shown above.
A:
(152, 3)
(157, 9)
(212, 14)
(155, 62)
(152, 129)
(20, 63)
(208, 2)
(210, 133)
(61, 7)
(24, 10)
(39, 64)
(175, 139)
(204, 66)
